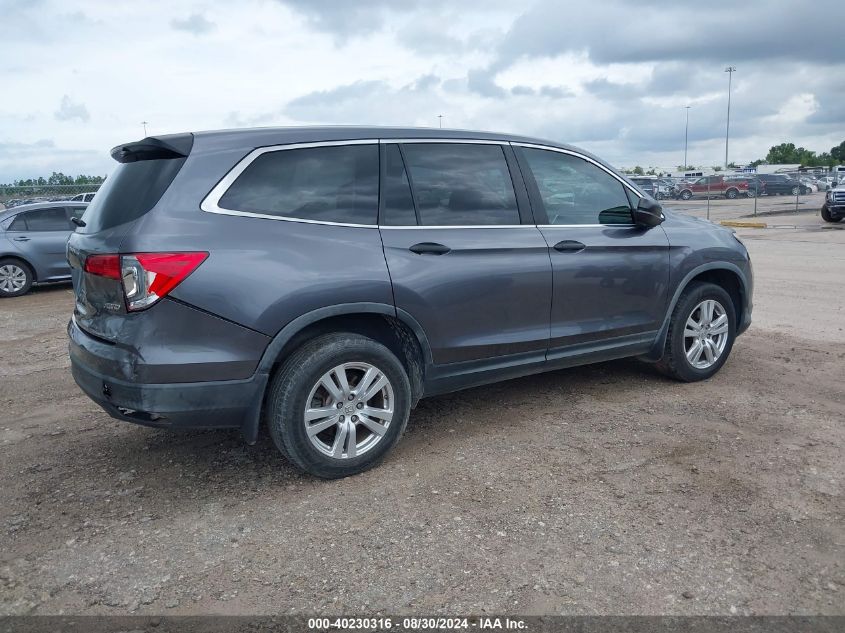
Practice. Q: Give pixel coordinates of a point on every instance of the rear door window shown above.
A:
(326, 184)
(50, 219)
(460, 184)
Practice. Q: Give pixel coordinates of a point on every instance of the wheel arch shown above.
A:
(723, 274)
(395, 329)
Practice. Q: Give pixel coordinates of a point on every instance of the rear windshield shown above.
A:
(129, 192)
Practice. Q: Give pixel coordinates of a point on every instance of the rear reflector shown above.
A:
(103, 266)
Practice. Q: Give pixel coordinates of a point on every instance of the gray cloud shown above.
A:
(70, 110)
(723, 32)
(195, 23)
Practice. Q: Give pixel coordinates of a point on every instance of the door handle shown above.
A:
(569, 246)
(21, 239)
(429, 248)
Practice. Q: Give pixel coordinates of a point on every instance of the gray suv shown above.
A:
(323, 280)
(32, 244)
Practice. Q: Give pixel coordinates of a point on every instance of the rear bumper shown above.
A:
(177, 405)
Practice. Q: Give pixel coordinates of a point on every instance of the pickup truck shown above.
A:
(712, 186)
(833, 208)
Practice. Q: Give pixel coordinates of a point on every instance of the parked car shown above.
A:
(32, 244)
(713, 186)
(833, 209)
(323, 280)
(808, 185)
(776, 185)
(825, 182)
(84, 197)
(646, 184)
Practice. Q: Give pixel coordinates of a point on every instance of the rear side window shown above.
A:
(52, 219)
(129, 192)
(575, 191)
(461, 184)
(327, 184)
(399, 207)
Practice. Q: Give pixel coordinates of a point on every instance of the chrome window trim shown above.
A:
(587, 226)
(210, 204)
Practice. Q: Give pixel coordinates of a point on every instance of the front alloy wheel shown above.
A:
(706, 334)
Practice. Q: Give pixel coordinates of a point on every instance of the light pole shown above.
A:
(440, 120)
(686, 138)
(730, 70)
(144, 123)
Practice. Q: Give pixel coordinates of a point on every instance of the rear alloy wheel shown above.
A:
(701, 333)
(338, 405)
(15, 278)
(750, 194)
(731, 194)
(795, 191)
(686, 194)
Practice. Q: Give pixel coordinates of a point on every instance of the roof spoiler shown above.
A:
(154, 147)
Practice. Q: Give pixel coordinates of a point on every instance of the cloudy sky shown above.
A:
(79, 76)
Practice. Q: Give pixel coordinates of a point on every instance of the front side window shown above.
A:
(327, 184)
(52, 219)
(574, 191)
(461, 184)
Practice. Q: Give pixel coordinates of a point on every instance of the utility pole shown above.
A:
(440, 120)
(144, 123)
(686, 138)
(730, 70)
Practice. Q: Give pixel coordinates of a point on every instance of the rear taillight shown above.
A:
(146, 277)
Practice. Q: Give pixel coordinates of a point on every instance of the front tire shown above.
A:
(795, 191)
(338, 404)
(686, 194)
(827, 216)
(15, 278)
(731, 194)
(701, 333)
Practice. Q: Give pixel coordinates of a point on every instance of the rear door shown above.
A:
(610, 276)
(41, 236)
(464, 256)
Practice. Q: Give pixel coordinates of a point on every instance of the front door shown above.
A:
(610, 276)
(463, 261)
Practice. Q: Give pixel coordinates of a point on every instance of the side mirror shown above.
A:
(648, 213)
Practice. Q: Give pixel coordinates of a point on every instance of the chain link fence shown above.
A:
(15, 196)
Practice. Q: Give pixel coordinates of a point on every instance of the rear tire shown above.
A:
(795, 191)
(16, 277)
(680, 345)
(686, 194)
(731, 194)
(345, 445)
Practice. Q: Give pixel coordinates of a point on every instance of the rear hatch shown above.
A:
(145, 170)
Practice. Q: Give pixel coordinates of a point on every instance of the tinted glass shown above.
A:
(574, 191)
(19, 223)
(461, 184)
(329, 184)
(52, 219)
(129, 192)
(398, 202)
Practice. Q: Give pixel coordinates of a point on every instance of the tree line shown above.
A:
(57, 178)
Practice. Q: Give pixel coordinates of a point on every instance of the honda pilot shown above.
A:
(322, 281)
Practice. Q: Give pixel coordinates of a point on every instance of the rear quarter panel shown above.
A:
(260, 273)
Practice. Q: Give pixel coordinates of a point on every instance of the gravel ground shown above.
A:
(599, 490)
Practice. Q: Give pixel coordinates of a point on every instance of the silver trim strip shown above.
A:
(210, 203)
(587, 226)
(581, 156)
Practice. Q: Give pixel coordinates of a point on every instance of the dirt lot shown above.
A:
(605, 489)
